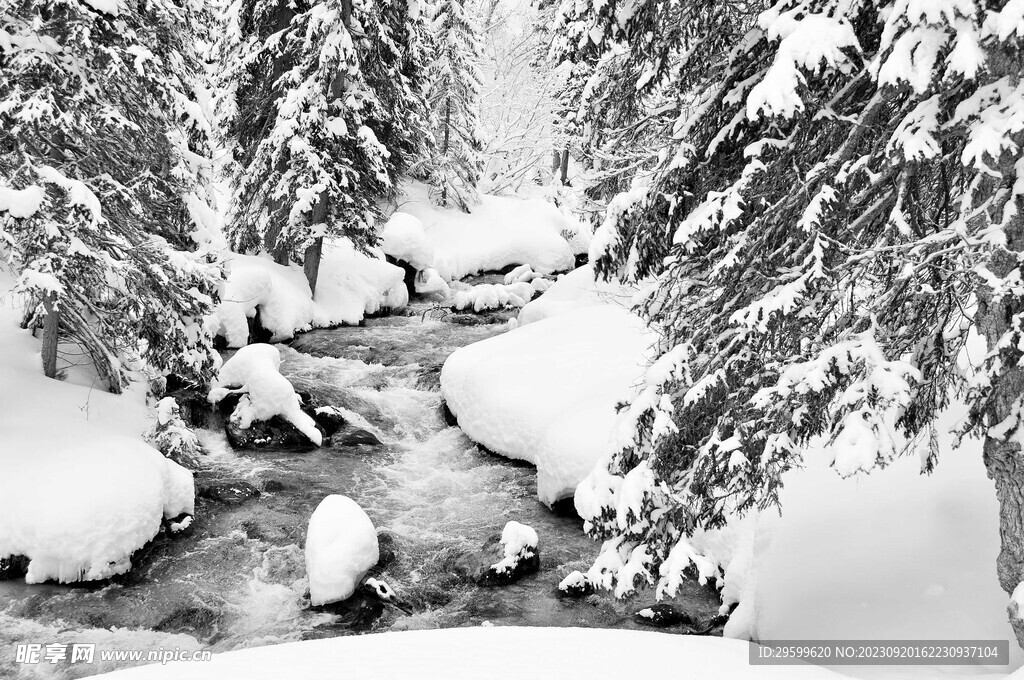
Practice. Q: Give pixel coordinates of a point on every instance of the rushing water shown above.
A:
(239, 580)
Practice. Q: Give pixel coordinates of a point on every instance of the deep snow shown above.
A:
(79, 490)
(498, 653)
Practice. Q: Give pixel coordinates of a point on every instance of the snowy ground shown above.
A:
(79, 489)
(496, 653)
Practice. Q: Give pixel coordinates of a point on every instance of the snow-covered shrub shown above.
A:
(341, 547)
(172, 437)
(253, 373)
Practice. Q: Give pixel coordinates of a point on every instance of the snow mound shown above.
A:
(253, 373)
(341, 546)
(546, 392)
(429, 282)
(78, 500)
(280, 294)
(403, 238)
(353, 285)
(350, 286)
(520, 543)
(501, 231)
(572, 291)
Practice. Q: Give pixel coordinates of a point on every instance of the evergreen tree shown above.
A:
(322, 111)
(839, 203)
(454, 168)
(102, 153)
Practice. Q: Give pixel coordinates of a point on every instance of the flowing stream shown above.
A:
(239, 579)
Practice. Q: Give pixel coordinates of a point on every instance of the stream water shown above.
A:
(239, 579)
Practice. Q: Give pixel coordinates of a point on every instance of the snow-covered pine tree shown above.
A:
(102, 147)
(838, 204)
(323, 110)
(453, 169)
(626, 67)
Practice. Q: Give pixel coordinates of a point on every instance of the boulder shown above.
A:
(12, 567)
(228, 492)
(575, 584)
(356, 437)
(276, 433)
(503, 559)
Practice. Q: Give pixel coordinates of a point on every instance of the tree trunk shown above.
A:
(314, 251)
(447, 139)
(1003, 458)
(271, 238)
(51, 331)
(563, 168)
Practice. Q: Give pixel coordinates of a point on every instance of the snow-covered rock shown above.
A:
(341, 547)
(504, 558)
(403, 238)
(546, 392)
(499, 232)
(520, 546)
(77, 500)
(253, 373)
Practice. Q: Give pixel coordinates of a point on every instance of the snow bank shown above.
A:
(350, 286)
(890, 555)
(78, 500)
(546, 392)
(574, 290)
(500, 231)
(79, 491)
(341, 546)
(253, 373)
(496, 653)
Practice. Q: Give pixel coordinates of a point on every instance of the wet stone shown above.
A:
(13, 567)
(230, 492)
(356, 437)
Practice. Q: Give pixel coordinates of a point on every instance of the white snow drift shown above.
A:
(341, 546)
(498, 653)
(79, 491)
(78, 500)
(499, 232)
(253, 373)
(351, 285)
(546, 392)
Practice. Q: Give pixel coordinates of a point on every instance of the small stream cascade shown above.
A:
(238, 580)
